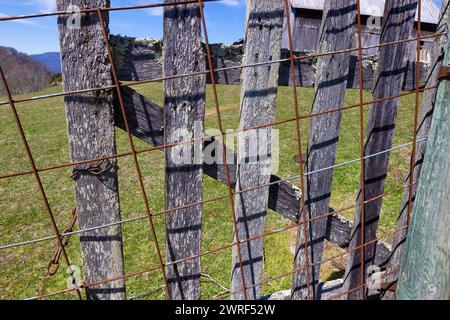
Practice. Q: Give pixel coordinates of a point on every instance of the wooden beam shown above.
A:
(425, 267)
(428, 105)
(398, 23)
(259, 87)
(146, 123)
(184, 112)
(90, 123)
(329, 290)
(336, 33)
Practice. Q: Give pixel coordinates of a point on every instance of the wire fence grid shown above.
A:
(134, 152)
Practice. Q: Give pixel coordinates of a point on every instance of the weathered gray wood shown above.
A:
(145, 118)
(425, 266)
(258, 100)
(146, 123)
(426, 114)
(184, 112)
(398, 23)
(331, 78)
(338, 233)
(329, 290)
(91, 135)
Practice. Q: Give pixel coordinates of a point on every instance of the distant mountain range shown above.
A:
(52, 60)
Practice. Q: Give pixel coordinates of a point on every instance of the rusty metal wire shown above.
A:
(62, 237)
(224, 147)
(172, 210)
(53, 265)
(299, 147)
(348, 251)
(35, 172)
(133, 149)
(229, 245)
(296, 58)
(208, 138)
(362, 152)
(416, 113)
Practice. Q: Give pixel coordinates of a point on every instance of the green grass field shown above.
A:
(23, 216)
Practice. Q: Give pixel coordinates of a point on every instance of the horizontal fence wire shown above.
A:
(218, 70)
(212, 71)
(209, 137)
(18, 244)
(230, 245)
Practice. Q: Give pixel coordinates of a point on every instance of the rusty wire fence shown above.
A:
(133, 152)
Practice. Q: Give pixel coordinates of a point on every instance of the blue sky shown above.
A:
(225, 22)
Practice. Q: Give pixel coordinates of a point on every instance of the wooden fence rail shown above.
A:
(184, 111)
(426, 114)
(91, 135)
(331, 77)
(398, 23)
(258, 100)
(146, 123)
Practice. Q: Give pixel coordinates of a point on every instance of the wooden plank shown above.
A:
(398, 23)
(145, 118)
(392, 265)
(184, 112)
(329, 290)
(338, 233)
(146, 123)
(258, 100)
(331, 78)
(425, 266)
(90, 123)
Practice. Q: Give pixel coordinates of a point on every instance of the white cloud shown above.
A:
(27, 22)
(155, 12)
(159, 11)
(232, 3)
(43, 5)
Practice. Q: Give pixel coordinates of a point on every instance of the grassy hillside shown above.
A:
(22, 72)
(23, 217)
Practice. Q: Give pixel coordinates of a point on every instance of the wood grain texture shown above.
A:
(258, 100)
(392, 265)
(398, 23)
(184, 112)
(425, 266)
(337, 32)
(90, 123)
(146, 123)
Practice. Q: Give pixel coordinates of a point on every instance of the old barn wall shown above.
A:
(140, 59)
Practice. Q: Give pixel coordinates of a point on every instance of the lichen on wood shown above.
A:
(90, 122)
(258, 101)
(184, 112)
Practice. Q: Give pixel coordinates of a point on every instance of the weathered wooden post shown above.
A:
(337, 33)
(258, 99)
(398, 23)
(184, 111)
(90, 122)
(426, 114)
(425, 267)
